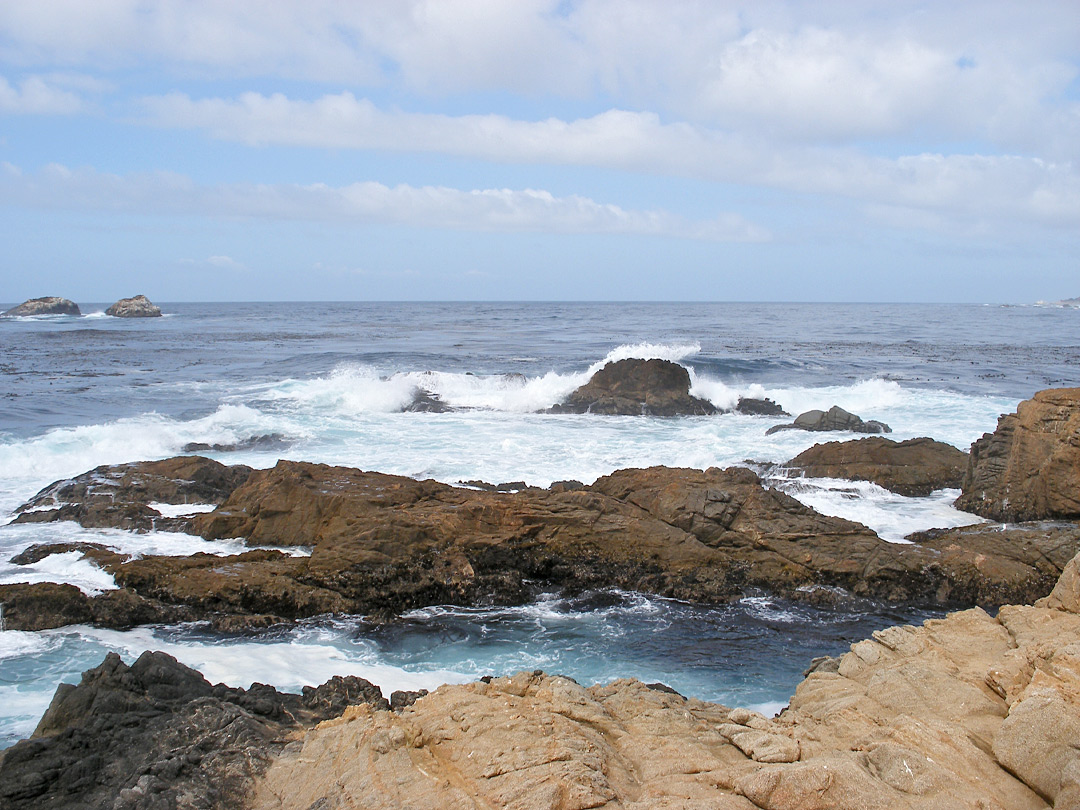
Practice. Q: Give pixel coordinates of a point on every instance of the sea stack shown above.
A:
(634, 387)
(138, 307)
(51, 305)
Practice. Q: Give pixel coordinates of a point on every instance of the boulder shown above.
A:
(836, 418)
(759, 407)
(915, 467)
(635, 387)
(45, 306)
(156, 734)
(1029, 467)
(138, 307)
(264, 441)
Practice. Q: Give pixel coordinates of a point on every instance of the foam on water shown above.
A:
(69, 567)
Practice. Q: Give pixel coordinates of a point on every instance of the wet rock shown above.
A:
(915, 467)
(635, 387)
(402, 699)
(44, 306)
(138, 307)
(118, 496)
(836, 418)
(759, 407)
(43, 606)
(158, 735)
(265, 441)
(1029, 467)
(424, 401)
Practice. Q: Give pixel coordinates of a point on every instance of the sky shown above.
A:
(676, 150)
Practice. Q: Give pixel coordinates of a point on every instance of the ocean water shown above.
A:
(329, 382)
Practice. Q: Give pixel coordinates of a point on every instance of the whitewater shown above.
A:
(333, 383)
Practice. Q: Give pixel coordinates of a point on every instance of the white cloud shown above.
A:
(37, 95)
(494, 210)
(994, 186)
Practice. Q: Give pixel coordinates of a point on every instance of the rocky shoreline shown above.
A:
(969, 711)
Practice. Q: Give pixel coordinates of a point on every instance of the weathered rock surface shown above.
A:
(118, 496)
(157, 735)
(635, 387)
(138, 307)
(263, 441)
(45, 306)
(836, 418)
(759, 407)
(915, 467)
(382, 544)
(1029, 467)
(968, 713)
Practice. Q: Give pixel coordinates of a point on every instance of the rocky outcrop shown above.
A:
(969, 712)
(915, 467)
(382, 544)
(1029, 467)
(264, 441)
(158, 735)
(635, 387)
(759, 407)
(836, 418)
(138, 307)
(119, 496)
(44, 306)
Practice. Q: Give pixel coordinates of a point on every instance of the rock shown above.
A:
(158, 735)
(1029, 467)
(969, 712)
(836, 418)
(383, 544)
(138, 307)
(118, 496)
(915, 467)
(265, 441)
(425, 401)
(759, 407)
(47, 605)
(45, 306)
(635, 387)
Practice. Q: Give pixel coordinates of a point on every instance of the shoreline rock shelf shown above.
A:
(967, 712)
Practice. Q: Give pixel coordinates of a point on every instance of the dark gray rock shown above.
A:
(759, 407)
(836, 418)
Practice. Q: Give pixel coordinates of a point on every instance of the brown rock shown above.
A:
(1029, 467)
(118, 496)
(138, 307)
(635, 387)
(915, 467)
(52, 305)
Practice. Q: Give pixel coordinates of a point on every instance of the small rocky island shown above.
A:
(51, 305)
(138, 307)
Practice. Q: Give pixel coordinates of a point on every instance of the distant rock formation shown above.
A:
(634, 387)
(45, 306)
(1029, 467)
(264, 441)
(915, 467)
(138, 307)
(836, 418)
(759, 407)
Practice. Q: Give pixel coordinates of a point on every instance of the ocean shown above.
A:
(328, 382)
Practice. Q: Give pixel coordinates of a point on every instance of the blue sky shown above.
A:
(534, 149)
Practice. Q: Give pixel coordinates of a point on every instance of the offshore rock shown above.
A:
(45, 306)
(1029, 467)
(119, 496)
(635, 387)
(382, 544)
(263, 441)
(915, 467)
(158, 735)
(759, 407)
(836, 418)
(968, 712)
(138, 307)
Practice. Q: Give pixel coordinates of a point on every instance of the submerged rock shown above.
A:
(1029, 467)
(836, 418)
(265, 441)
(635, 387)
(45, 306)
(138, 307)
(915, 467)
(158, 735)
